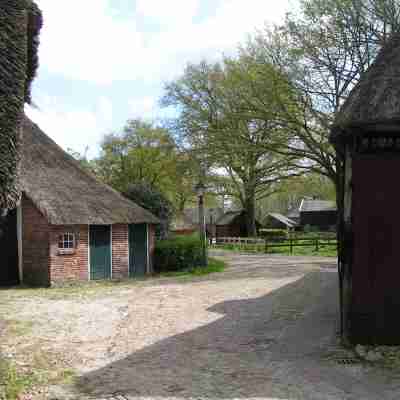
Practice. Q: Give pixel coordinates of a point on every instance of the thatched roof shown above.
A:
(64, 192)
(375, 100)
(20, 24)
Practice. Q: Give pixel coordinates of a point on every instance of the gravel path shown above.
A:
(265, 328)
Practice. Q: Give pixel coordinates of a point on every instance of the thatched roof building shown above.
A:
(375, 100)
(20, 24)
(65, 193)
(69, 226)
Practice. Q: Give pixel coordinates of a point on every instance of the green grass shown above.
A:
(323, 251)
(12, 383)
(214, 265)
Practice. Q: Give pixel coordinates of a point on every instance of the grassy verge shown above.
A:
(214, 265)
(12, 383)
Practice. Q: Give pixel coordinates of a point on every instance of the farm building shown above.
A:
(187, 222)
(366, 134)
(320, 214)
(279, 221)
(182, 225)
(68, 226)
(233, 224)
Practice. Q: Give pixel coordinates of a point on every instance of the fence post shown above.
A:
(316, 244)
(266, 246)
(291, 245)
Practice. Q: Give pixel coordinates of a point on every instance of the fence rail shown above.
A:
(264, 245)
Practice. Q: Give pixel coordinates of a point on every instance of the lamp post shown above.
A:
(200, 191)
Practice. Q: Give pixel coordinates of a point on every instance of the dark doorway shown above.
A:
(9, 250)
(100, 252)
(137, 249)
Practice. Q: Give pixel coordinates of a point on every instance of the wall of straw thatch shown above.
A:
(20, 24)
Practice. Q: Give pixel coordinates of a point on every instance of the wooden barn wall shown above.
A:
(375, 272)
(324, 220)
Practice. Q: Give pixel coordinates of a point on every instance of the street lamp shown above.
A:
(200, 191)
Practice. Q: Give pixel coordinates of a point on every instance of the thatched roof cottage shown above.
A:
(366, 134)
(69, 226)
(20, 24)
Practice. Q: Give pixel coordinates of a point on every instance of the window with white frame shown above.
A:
(66, 241)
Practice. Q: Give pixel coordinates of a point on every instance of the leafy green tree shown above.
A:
(322, 51)
(211, 119)
(153, 200)
(141, 153)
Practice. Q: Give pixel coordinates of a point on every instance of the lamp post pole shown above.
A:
(200, 188)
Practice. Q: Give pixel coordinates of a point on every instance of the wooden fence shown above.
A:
(265, 245)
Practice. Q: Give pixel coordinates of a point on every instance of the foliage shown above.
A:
(176, 254)
(213, 266)
(291, 192)
(141, 153)
(323, 51)
(212, 121)
(147, 153)
(273, 233)
(153, 200)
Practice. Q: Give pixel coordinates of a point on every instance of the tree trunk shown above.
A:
(250, 209)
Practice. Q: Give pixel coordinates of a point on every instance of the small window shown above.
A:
(66, 241)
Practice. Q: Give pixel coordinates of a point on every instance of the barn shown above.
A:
(319, 214)
(68, 226)
(233, 224)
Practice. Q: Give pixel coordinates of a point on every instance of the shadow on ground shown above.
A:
(276, 346)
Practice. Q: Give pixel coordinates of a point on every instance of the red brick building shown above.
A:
(68, 226)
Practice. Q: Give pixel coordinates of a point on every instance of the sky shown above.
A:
(103, 62)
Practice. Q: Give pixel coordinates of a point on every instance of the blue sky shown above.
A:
(105, 61)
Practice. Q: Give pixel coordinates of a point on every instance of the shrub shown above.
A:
(178, 253)
(274, 234)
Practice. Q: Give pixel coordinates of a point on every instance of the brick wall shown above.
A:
(120, 252)
(35, 245)
(65, 267)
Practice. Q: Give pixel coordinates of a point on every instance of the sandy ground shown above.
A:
(264, 328)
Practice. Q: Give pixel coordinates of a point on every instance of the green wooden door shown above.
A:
(137, 249)
(100, 252)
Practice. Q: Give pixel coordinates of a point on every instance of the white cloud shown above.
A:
(76, 129)
(91, 44)
(168, 13)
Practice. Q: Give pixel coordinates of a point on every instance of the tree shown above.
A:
(21, 21)
(141, 153)
(153, 200)
(213, 122)
(322, 52)
(292, 191)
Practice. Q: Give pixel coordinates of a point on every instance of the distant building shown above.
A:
(321, 214)
(187, 222)
(233, 224)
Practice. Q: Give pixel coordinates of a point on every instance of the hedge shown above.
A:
(177, 254)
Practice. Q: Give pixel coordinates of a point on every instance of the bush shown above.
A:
(274, 234)
(177, 254)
